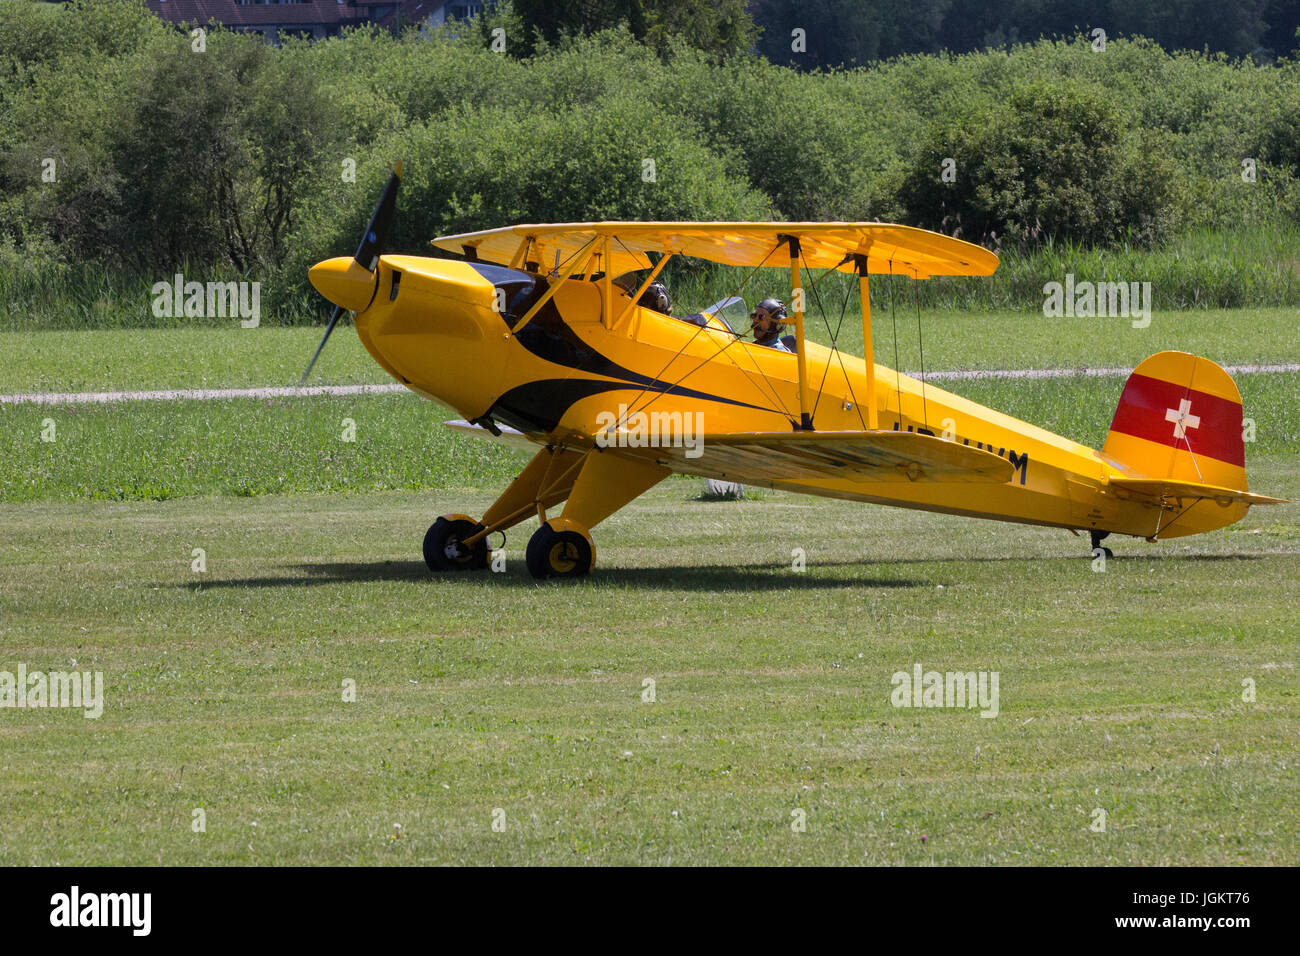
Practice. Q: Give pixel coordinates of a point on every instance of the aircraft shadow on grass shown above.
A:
(1071, 559)
(707, 578)
(751, 577)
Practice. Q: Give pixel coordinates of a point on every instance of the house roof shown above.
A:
(252, 14)
(323, 12)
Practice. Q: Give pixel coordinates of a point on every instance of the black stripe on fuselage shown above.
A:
(541, 404)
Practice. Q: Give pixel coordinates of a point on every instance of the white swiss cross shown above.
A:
(1181, 419)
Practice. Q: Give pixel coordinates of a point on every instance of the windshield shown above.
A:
(731, 312)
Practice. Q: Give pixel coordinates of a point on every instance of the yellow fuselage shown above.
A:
(443, 334)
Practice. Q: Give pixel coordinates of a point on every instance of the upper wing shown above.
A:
(891, 249)
(860, 455)
(1167, 488)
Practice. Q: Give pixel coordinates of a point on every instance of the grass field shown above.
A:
(233, 357)
(1120, 690)
(159, 450)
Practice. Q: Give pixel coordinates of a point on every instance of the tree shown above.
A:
(722, 27)
(819, 33)
(844, 32)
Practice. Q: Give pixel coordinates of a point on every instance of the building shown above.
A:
(312, 18)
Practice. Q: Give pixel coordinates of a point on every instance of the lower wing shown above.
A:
(785, 456)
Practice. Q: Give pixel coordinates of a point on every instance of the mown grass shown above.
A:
(230, 357)
(160, 450)
(1119, 691)
(1018, 340)
(1082, 408)
(121, 359)
(242, 447)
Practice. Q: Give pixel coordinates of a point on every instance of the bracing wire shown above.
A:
(835, 347)
(916, 295)
(893, 321)
(821, 386)
(559, 266)
(636, 406)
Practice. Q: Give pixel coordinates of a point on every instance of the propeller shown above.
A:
(330, 276)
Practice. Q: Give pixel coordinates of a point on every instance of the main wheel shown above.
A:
(558, 554)
(443, 550)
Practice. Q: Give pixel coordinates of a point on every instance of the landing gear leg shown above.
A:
(459, 543)
(1097, 538)
(562, 547)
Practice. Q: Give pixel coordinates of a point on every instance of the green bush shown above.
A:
(1051, 161)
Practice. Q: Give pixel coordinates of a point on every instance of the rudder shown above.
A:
(1180, 417)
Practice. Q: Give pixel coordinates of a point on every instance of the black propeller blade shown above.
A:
(377, 232)
(338, 310)
(368, 251)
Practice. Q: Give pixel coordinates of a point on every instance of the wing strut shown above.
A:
(868, 347)
(579, 258)
(805, 417)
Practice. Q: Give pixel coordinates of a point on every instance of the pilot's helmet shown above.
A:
(656, 297)
(775, 307)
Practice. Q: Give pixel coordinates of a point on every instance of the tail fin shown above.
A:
(1180, 418)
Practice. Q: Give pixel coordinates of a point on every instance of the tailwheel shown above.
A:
(1097, 538)
(444, 549)
(565, 551)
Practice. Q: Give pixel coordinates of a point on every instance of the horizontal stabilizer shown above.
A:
(1167, 488)
(862, 455)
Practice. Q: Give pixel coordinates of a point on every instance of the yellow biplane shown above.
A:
(540, 337)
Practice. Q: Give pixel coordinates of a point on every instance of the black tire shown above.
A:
(444, 552)
(558, 554)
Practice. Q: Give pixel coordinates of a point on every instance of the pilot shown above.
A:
(767, 325)
(656, 297)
